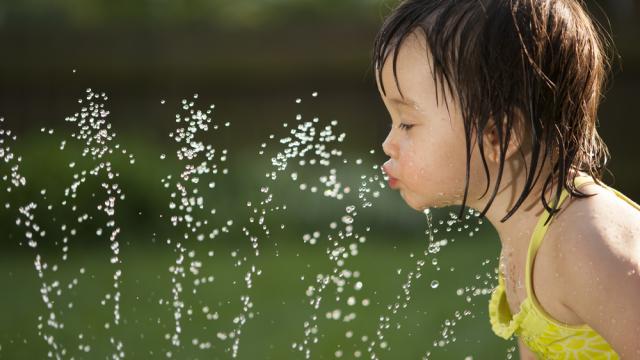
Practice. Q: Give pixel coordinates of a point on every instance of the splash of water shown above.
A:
(93, 133)
(333, 294)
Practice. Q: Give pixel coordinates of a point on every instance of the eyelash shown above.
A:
(405, 127)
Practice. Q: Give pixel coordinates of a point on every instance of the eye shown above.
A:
(405, 127)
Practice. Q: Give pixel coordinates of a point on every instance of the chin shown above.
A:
(422, 203)
(415, 204)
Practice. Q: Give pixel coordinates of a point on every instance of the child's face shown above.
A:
(427, 159)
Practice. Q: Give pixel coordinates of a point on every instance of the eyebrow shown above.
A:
(405, 101)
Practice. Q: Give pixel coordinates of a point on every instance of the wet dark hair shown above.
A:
(539, 65)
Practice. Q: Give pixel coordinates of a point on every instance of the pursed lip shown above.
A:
(393, 182)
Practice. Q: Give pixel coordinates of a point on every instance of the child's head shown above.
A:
(517, 81)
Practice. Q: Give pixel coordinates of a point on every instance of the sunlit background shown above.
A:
(253, 59)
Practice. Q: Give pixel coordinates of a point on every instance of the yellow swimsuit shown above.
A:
(545, 336)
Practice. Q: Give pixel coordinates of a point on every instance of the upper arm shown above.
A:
(602, 284)
(525, 352)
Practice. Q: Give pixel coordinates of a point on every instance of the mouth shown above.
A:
(393, 182)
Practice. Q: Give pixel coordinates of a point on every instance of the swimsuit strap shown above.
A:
(540, 230)
(623, 197)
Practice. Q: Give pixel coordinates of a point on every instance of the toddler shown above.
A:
(494, 106)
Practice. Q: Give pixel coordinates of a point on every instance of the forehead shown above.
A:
(413, 74)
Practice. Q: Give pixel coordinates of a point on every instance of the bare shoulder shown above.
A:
(598, 258)
(598, 227)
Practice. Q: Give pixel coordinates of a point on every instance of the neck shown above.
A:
(516, 231)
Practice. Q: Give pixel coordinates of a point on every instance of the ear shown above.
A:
(492, 140)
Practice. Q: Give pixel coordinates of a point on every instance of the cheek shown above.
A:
(438, 165)
(478, 174)
(419, 161)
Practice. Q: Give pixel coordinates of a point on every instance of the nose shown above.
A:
(388, 147)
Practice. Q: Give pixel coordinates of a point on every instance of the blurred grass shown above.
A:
(395, 242)
(278, 296)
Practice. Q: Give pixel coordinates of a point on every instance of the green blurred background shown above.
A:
(251, 59)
